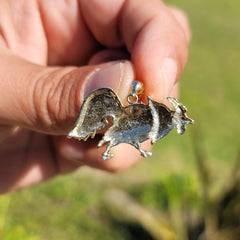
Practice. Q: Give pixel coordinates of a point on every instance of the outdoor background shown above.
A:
(189, 189)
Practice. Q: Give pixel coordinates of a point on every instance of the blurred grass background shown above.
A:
(189, 189)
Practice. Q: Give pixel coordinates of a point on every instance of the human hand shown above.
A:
(40, 99)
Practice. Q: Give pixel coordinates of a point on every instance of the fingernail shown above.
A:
(117, 76)
(109, 76)
(169, 70)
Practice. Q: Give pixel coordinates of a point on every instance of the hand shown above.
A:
(40, 99)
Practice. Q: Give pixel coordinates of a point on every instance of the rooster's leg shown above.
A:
(107, 155)
(143, 153)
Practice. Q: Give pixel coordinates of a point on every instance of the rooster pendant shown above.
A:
(132, 124)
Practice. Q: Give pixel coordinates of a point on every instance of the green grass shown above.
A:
(70, 207)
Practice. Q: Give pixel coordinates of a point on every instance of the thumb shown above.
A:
(48, 99)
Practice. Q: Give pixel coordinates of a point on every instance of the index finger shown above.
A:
(158, 45)
(150, 31)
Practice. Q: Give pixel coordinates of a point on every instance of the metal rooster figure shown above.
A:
(132, 124)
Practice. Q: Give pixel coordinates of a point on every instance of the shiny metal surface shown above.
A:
(132, 124)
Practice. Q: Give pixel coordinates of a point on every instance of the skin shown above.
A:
(48, 52)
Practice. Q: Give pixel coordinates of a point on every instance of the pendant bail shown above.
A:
(137, 91)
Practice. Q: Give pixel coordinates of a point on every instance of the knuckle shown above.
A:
(51, 97)
(39, 100)
(176, 46)
(182, 19)
(179, 13)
